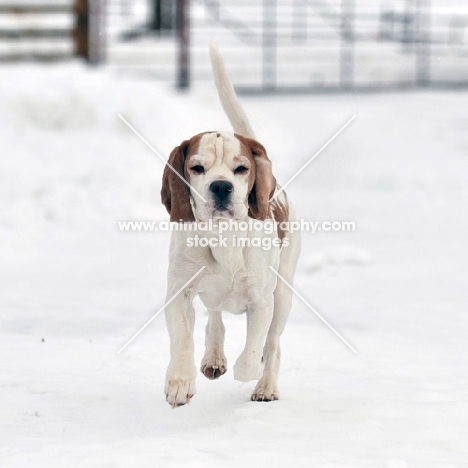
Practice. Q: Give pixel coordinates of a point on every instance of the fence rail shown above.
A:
(22, 9)
(78, 29)
(24, 33)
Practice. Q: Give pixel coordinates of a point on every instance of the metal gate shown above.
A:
(304, 45)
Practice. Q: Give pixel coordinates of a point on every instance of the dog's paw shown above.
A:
(213, 366)
(265, 390)
(246, 370)
(179, 392)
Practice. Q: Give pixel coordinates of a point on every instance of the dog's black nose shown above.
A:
(222, 190)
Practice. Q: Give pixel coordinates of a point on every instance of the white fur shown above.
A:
(235, 279)
(238, 118)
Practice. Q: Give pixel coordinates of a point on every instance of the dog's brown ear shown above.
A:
(264, 184)
(175, 194)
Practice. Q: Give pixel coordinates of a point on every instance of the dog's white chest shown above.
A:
(232, 283)
(224, 292)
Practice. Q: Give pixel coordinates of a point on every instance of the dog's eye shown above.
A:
(240, 170)
(198, 169)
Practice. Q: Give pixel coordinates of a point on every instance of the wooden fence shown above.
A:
(80, 31)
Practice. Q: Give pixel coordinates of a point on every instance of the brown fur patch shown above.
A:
(281, 214)
(262, 183)
(175, 194)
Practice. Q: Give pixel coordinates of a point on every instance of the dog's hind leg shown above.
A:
(267, 387)
(249, 365)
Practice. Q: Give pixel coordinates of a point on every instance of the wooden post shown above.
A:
(183, 34)
(80, 31)
(89, 32)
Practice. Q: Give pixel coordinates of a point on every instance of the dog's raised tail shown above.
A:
(227, 95)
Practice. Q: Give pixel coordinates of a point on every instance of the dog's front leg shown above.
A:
(249, 365)
(181, 372)
(214, 362)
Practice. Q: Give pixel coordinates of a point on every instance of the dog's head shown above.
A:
(231, 172)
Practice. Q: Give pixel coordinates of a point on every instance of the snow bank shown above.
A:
(74, 288)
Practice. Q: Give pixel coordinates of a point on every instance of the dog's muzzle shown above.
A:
(221, 191)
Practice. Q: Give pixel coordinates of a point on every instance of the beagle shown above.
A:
(210, 179)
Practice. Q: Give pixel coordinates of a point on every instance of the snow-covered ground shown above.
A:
(74, 288)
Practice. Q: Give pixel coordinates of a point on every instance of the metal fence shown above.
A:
(302, 45)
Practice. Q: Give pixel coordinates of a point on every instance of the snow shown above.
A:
(75, 289)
